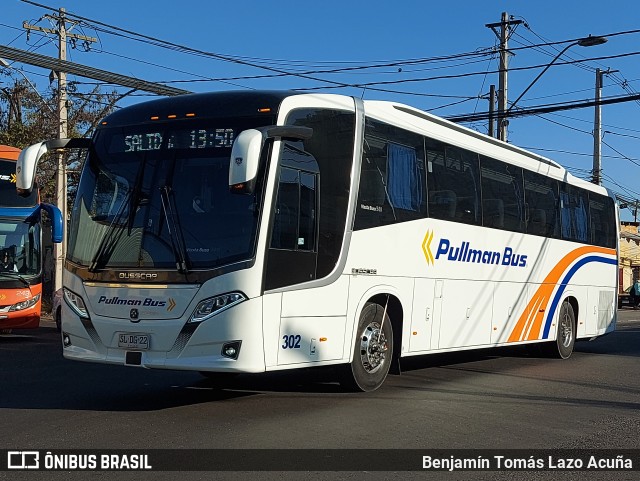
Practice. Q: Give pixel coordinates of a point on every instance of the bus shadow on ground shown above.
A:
(57, 383)
(622, 342)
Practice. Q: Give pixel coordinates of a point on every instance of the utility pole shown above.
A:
(504, 34)
(597, 128)
(63, 33)
(502, 81)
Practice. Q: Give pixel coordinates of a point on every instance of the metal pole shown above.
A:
(61, 172)
(492, 109)
(597, 127)
(597, 131)
(502, 84)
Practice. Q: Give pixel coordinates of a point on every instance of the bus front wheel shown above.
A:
(373, 351)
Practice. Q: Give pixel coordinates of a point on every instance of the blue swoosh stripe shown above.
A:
(563, 285)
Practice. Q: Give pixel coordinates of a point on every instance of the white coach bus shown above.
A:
(258, 231)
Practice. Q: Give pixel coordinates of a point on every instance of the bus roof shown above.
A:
(201, 105)
(267, 102)
(9, 153)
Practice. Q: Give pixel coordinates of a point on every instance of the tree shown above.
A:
(28, 116)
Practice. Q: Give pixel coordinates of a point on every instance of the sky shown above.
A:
(376, 50)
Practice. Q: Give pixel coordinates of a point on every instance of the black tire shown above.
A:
(373, 351)
(566, 334)
(58, 317)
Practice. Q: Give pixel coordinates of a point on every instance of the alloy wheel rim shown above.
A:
(373, 347)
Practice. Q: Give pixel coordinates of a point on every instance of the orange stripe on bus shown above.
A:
(530, 322)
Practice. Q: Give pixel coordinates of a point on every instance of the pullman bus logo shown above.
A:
(171, 305)
(466, 252)
(426, 247)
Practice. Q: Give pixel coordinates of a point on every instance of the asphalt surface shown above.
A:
(490, 399)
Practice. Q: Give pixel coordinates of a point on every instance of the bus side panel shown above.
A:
(510, 300)
(600, 315)
(305, 325)
(310, 339)
(422, 333)
(469, 311)
(271, 311)
(329, 300)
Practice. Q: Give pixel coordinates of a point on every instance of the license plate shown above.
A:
(133, 340)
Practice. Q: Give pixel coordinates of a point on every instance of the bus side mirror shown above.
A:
(28, 160)
(246, 150)
(57, 227)
(244, 162)
(26, 167)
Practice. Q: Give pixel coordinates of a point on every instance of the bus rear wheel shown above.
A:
(566, 335)
(373, 351)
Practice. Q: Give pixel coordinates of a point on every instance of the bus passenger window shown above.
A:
(493, 213)
(574, 214)
(503, 195)
(442, 204)
(541, 200)
(453, 183)
(602, 210)
(392, 177)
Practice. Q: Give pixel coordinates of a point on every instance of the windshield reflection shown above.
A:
(20, 246)
(161, 199)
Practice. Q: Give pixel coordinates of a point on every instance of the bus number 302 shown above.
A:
(291, 342)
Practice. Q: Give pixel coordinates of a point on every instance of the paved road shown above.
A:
(498, 399)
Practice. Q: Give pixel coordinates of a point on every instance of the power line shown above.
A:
(184, 48)
(239, 60)
(620, 153)
(83, 70)
(546, 108)
(581, 154)
(305, 74)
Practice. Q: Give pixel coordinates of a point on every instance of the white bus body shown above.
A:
(328, 259)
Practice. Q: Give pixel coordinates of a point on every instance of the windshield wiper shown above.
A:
(171, 217)
(109, 241)
(15, 275)
(136, 194)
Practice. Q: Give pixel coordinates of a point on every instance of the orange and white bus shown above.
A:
(21, 248)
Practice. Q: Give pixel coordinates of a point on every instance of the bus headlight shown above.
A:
(21, 306)
(214, 305)
(76, 303)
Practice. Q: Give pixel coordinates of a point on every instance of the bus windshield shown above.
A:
(158, 196)
(20, 246)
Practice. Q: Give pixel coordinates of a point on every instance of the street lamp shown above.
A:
(589, 41)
